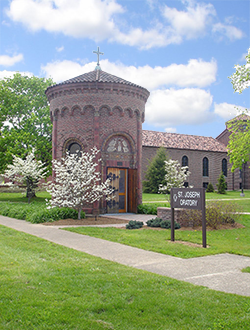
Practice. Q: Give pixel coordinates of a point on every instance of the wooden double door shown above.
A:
(124, 183)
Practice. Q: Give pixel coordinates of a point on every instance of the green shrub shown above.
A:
(158, 222)
(147, 209)
(167, 224)
(56, 213)
(133, 224)
(210, 188)
(217, 213)
(36, 213)
(15, 210)
(221, 186)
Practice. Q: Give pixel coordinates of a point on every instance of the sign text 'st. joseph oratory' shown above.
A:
(102, 110)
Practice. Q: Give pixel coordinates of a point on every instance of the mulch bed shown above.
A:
(90, 220)
(87, 222)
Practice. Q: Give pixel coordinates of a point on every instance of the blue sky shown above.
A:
(181, 51)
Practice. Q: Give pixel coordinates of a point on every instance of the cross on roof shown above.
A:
(98, 53)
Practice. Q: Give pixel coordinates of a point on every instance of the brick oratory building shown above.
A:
(102, 110)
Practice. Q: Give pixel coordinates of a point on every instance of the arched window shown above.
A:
(184, 161)
(74, 148)
(205, 166)
(224, 167)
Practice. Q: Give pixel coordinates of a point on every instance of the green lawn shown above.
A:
(20, 197)
(48, 286)
(220, 241)
(246, 270)
(229, 195)
(234, 241)
(243, 202)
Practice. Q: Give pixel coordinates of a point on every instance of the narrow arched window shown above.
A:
(184, 161)
(224, 167)
(205, 166)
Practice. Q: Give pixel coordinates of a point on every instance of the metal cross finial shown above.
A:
(98, 53)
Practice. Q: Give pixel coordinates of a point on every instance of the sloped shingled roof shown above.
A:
(181, 141)
(97, 76)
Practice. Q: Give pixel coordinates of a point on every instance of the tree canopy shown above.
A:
(24, 119)
(241, 78)
(175, 176)
(239, 146)
(156, 172)
(27, 171)
(77, 181)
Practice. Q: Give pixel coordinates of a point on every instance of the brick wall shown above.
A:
(195, 164)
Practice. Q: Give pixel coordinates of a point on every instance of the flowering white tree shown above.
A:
(241, 78)
(175, 177)
(77, 181)
(27, 171)
(239, 146)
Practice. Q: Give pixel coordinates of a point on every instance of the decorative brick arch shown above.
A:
(74, 108)
(88, 107)
(64, 111)
(119, 146)
(118, 109)
(105, 107)
(119, 134)
(137, 113)
(130, 112)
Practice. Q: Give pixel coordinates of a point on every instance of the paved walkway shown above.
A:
(221, 272)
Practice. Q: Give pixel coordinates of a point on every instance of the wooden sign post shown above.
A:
(189, 198)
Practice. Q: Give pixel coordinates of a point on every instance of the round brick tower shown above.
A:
(102, 110)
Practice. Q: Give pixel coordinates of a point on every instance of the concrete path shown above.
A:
(220, 272)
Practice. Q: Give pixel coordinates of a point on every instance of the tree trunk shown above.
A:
(31, 185)
(79, 214)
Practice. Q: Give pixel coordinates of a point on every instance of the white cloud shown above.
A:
(192, 22)
(77, 18)
(171, 107)
(93, 19)
(7, 60)
(59, 49)
(98, 20)
(165, 107)
(10, 74)
(196, 73)
(152, 3)
(229, 31)
(170, 130)
(156, 37)
(243, 57)
(63, 70)
(227, 111)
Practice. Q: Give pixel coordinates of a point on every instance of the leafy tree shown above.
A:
(241, 78)
(156, 172)
(77, 182)
(27, 171)
(175, 176)
(221, 186)
(239, 147)
(24, 119)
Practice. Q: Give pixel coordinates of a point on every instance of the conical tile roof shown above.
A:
(97, 76)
